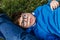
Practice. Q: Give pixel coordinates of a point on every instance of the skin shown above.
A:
(54, 4)
(30, 19)
(26, 20)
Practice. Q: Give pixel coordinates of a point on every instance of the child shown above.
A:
(10, 31)
(44, 22)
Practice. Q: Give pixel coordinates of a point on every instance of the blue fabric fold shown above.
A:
(47, 23)
(11, 31)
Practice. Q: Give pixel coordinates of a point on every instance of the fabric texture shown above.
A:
(47, 25)
(10, 31)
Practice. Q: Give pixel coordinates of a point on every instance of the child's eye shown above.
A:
(25, 16)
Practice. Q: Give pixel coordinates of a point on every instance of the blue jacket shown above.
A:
(10, 31)
(47, 25)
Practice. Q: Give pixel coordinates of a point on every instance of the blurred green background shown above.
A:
(11, 6)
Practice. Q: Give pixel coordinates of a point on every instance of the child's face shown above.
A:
(26, 20)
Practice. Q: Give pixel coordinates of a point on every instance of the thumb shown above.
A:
(51, 8)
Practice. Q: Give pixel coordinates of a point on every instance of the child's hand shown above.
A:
(54, 4)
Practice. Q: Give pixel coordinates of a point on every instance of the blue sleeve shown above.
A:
(36, 11)
(48, 22)
(54, 22)
(52, 37)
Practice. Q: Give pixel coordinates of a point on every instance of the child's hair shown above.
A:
(16, 16)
